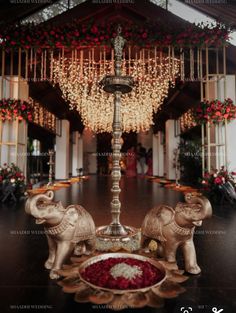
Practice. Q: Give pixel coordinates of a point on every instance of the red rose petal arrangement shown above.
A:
(122, 273)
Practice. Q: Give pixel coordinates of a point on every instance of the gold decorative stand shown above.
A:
(50, 163)
(116, 236)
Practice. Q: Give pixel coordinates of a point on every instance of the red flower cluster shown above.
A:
(11, 174)
(12, 109)
(218, 177)
(75, 34)
(215, 111)
(99, 274)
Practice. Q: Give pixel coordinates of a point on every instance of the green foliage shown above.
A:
(190, 161)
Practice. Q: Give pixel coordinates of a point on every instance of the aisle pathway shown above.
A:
(24, 281)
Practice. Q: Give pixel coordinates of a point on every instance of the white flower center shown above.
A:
(125, 270)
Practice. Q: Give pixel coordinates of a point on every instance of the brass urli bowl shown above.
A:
(105, 256)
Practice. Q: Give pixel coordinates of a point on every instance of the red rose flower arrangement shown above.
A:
(13, 176)
(12, 109)
(217, 178)
(122, 273)
(215, 111)
(75, 34)
(220, 183)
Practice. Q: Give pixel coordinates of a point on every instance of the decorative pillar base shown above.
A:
(107, 242)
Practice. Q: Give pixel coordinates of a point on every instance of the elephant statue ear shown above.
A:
(155, 220)
(165, 214)
(60, 207)
(71, 215)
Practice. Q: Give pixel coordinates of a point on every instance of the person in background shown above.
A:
(149, 162)
(131, 163)
(141, 157)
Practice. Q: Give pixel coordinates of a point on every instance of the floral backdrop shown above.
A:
(77, 35)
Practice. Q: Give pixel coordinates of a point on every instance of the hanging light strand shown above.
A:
(79, 83)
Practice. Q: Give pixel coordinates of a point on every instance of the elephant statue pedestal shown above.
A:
(67, 229)
(174, 228)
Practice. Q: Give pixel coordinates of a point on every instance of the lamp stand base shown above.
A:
(106, 241)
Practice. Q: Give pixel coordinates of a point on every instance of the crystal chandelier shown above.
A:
(78, 79)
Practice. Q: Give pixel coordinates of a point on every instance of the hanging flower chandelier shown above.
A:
(78, 79)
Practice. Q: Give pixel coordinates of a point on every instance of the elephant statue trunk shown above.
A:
(174, 228)
(66, 229)
(32, 207)
(205, 208)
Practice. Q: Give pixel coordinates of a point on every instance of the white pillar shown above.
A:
(81, 152)
(223, 153)
(70, 154)
(13, 134)
(172, 142)
(158, 149)
(77, 153)
(158, 154)
(62, 151)
(90, 151)
(231, 127)
(155, 160)
(231, 131)
(14, 87)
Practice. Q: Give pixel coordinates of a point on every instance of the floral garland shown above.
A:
(12, 109)
(215, 111)
(92, 34)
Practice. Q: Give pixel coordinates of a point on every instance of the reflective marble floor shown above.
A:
(24, 283)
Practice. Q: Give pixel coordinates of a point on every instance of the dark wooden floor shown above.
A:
(24, 283)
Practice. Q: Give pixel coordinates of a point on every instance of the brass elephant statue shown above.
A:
(174, 228)
(67, 229)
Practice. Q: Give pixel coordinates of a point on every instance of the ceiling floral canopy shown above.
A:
(76, 56)
(77, 34)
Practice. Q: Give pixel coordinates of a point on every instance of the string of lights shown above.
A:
(78, 79)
